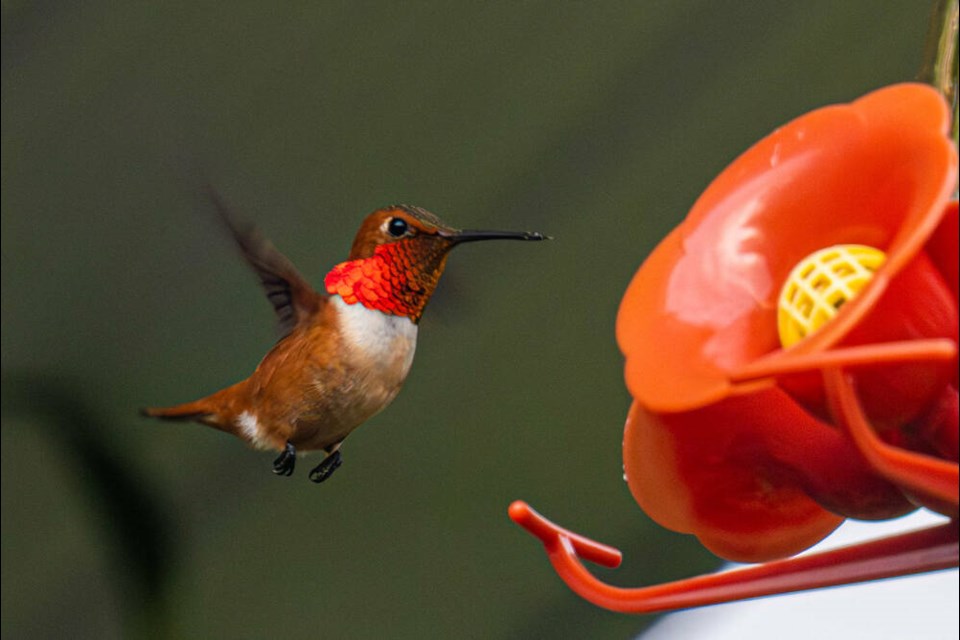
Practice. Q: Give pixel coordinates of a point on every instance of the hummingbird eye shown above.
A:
(397, 227)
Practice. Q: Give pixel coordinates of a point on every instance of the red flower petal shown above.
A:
(702, 304)
(733, 458)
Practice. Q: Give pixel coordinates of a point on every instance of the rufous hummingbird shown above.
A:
(343, 354)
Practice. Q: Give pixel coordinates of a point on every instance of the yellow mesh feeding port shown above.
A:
(820, 284)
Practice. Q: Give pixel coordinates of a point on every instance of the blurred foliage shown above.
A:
(132, 522)
(598, 123)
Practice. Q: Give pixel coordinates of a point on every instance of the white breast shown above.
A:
(387, 339)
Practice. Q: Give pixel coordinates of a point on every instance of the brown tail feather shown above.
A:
(188, 411)
(214, 410)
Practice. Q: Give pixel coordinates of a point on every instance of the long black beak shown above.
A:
(473, 235)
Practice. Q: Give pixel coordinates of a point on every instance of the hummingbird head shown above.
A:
(398, 256)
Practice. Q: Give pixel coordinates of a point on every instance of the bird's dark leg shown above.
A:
(284, 464)
(330, 464)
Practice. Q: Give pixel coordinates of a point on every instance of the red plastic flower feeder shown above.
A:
(791, 349)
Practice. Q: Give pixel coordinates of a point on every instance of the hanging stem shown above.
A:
(940, 58)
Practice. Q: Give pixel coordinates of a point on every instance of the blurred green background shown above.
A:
(598, 123)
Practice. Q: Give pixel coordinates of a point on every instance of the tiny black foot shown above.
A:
(326, 468)
(284, 464)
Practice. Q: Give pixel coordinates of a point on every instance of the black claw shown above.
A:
(326, 468)
(284, 464)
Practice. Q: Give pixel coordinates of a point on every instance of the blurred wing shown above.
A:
(292, 297)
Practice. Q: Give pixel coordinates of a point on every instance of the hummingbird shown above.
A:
(343, 353)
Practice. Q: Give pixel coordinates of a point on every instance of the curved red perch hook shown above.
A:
(929, 549)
